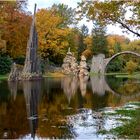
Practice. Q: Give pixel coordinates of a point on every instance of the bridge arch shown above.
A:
(117, 54)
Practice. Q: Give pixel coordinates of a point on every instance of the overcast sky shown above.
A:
(73, 3)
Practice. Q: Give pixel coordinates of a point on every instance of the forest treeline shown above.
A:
(58, 30)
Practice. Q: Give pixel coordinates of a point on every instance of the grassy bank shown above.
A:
(54, 74)
(135, 75)
(130, 76)
(3, 77)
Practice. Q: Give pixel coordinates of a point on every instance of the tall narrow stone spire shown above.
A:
(31, 68)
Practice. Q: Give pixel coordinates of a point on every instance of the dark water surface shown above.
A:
(63, 107)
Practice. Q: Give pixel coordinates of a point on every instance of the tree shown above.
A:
(133, 46)
(53, 39)
(67, 14)
(5, 64)
(8, 9)
(115, 43)
(99, 39)
(131, 66)
(116, 65)
(14, 27)
(2, 45)
(88, 52)
(113, 12)
(82, 35)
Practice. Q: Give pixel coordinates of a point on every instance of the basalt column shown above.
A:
(31, 68)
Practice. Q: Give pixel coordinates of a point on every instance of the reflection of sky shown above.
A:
(111, 29)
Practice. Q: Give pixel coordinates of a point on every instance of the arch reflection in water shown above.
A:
(32, 91)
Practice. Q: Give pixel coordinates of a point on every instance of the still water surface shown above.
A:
(63, 107)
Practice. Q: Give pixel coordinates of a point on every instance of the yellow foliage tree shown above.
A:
(114, 39)
(52, 38)
(2, 45)
(132, 46)
(88, 52)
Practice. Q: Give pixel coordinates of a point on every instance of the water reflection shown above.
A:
(83, 84)
(32, 92)
(99, 85)
(13, 120)
(13, 88)
(69, 86)
(65, 107)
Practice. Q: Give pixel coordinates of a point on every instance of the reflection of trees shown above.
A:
(48, 118)
(52, 122)
(4, 92)
(130, 87)
(113, 82)
(52, 111)
(125, 90)
(123, 86)
(13, 123)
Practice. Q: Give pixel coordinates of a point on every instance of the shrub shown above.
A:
(19, 60)
(5, 64)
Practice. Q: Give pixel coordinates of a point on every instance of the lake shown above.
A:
(66, 107)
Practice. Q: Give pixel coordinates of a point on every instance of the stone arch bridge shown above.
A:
(100, 63)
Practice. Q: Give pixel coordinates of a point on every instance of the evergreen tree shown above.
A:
(83, 34)
(99, 39)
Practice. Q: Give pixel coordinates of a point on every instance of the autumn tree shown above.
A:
(14, 31)
(15, 24)
(53, 42)
(133, 46)
(88, 51)
(125, 63)
(131, 66)
(113, 12)
(115, 41)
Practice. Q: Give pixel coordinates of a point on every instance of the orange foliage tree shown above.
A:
(14, 26)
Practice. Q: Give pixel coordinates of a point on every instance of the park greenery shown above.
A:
(58, 30)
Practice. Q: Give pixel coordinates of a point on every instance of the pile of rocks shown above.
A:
(83, 69)
(70, 65)
(15, 73)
